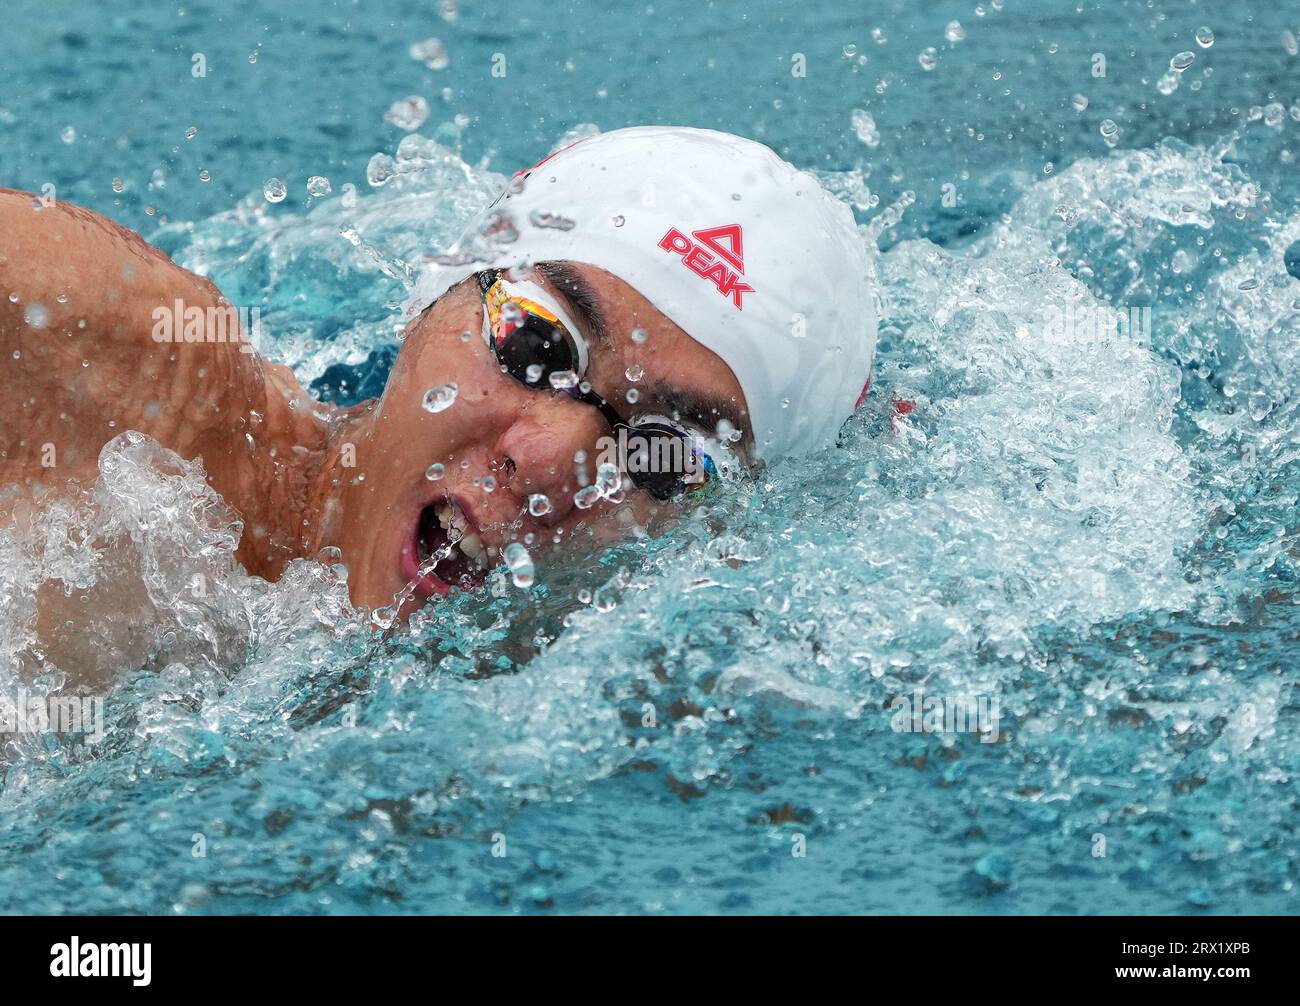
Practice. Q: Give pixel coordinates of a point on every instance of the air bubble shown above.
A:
(539, 504)
(274, 190)
(1204, 37)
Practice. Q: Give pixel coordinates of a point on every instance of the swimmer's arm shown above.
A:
(80, 297)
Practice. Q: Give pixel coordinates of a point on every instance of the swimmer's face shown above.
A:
(500, 443)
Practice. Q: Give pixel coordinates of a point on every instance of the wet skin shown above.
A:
(302, 474)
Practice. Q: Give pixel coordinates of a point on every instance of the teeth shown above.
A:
(452, 520)
(457, 528)
(473, 548)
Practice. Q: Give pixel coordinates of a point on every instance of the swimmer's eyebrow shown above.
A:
(698, 408)
(580, 297)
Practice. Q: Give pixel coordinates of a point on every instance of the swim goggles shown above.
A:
(537, 345)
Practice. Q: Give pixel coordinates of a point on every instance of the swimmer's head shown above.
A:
(751, 257)
(651, 284)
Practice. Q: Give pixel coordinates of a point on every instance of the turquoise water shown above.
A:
(1095, 526)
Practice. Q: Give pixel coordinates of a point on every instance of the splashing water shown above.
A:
(1072, 490)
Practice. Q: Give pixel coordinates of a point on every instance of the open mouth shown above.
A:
(447, 551)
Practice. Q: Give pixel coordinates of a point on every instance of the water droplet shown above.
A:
(434, 472)
(204, 176)
(69, 134)
(850, 51)
(619, 221)
(864, 127)
(1109, 132)
(499, 228)
(440, 399)
(539, 504)
(192, 132)
(608, 478)
(380, 169)
(928, 58)
(274, 190)
(408, 114)
(1079, 102)
(587, 497)
(1204, 37)
(878, 35)
(632, 395)
(252, 56)
(520, 564)
(489, 483)
(431, 52)
(564, 379)
(639, 335)
(533, 374)
(1182, 61)
(118, 185)
(634, 373)
(550, 221)
(37, 315)
(954, 32)
(319, 185)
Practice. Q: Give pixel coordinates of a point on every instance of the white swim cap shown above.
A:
(748, 255)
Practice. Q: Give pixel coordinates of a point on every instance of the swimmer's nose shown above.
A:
(544, 442)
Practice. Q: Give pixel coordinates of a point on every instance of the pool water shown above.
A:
(1091, 524)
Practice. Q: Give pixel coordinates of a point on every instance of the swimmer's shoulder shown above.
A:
(80, 299)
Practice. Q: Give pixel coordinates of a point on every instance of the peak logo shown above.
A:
(715, 253)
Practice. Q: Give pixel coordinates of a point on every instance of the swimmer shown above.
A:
(680, 290)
